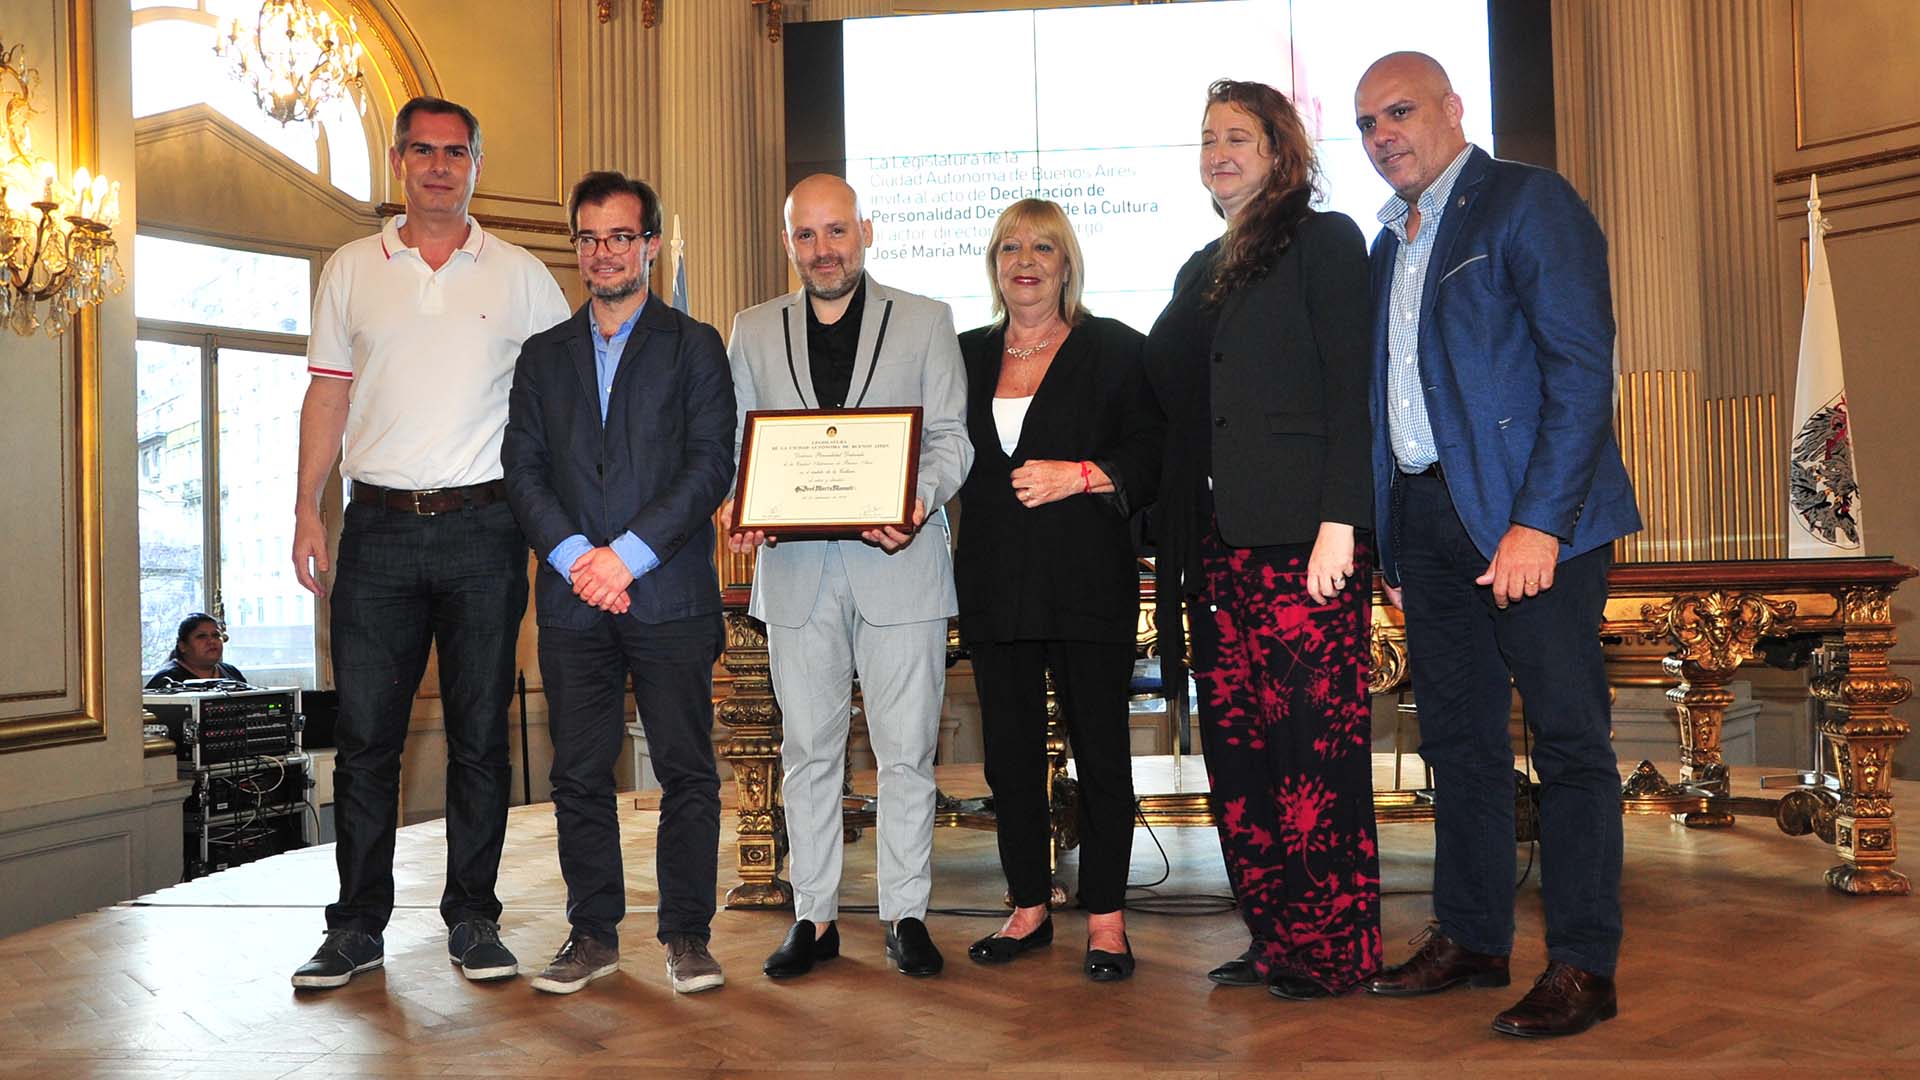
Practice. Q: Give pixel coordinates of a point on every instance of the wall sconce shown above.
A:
(56, 241)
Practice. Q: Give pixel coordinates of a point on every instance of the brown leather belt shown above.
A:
(433, 500)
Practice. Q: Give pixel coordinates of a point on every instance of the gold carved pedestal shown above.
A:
(753, 750)
(1712, 634)
(1860, 693)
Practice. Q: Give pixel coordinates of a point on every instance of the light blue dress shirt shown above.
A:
(632, 550)
(1407, 425)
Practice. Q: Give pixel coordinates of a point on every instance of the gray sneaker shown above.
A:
(581, 960)
(690, 967)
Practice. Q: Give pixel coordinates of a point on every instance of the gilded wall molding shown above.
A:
(86, 721)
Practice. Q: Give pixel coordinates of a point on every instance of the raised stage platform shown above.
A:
(1739, 962)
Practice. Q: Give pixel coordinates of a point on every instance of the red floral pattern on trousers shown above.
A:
(1287, 730)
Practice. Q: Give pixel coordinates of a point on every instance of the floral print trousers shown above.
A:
(1286, 726)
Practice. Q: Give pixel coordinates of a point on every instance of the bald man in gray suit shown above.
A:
(877, 607)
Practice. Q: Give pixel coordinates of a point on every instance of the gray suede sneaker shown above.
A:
(690, 967)
(581, 960)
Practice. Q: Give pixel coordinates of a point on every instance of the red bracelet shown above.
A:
(1086, 477)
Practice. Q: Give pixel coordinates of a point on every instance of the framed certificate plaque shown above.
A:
(812, 474)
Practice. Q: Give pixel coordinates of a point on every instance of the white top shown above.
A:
(1009, 416)
(431, 352)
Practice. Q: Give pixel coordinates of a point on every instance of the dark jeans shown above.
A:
(585, 672)
(1463, 650)
(457, 582)
(1090, 682)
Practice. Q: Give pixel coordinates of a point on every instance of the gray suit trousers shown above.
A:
(902, 671)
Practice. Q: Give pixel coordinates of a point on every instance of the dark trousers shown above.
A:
(585, 672)
(1090, 683)
(456, 582)
(1286, 726)
(1463, 650)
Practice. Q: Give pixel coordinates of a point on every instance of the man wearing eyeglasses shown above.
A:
(415, 331)
(619, 447)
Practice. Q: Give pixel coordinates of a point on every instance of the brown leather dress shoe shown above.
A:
(1440, 963)
(1564, 1001)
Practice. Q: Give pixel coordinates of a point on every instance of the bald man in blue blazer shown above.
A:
(1498, 491)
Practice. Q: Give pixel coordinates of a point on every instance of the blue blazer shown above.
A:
(660, 466)
(1516, 362)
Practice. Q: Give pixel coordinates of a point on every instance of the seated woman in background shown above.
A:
(1066, 439)
(196, 654)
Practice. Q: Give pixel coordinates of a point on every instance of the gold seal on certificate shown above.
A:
(811, 474)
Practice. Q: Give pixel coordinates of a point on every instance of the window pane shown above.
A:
(270, 615)
(172, 544)
(214, 286)
(347, 151)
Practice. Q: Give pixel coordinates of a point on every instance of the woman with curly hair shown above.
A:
(1261, 364)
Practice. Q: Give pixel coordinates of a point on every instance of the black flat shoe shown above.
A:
(911, 949)
(1242, 970)
(996, 949)
(1296, 988)
(1109, 966)
(801, 950)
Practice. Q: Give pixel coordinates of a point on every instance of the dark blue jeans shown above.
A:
(585, 672)
(1463, 650)
(404, 582)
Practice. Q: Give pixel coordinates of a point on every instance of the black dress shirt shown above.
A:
(831, 350)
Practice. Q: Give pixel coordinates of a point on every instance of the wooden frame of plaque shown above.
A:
(846, 466)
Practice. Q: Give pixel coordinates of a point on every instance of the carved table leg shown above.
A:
(1860, 721)
(1701, 701)
(1712, 634)
(753, 750)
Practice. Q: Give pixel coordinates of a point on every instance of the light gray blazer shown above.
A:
(918, 364)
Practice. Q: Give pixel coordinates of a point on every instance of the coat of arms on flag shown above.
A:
(1823, 489)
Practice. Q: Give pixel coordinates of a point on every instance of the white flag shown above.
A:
(1823, 491)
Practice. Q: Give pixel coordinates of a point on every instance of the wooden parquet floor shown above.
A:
(1738, 963)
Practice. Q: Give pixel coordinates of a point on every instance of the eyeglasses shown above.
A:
(616, 243)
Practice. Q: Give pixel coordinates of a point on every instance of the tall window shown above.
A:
(220, 377)
(174, 67)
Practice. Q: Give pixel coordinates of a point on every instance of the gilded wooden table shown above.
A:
(1712, 615)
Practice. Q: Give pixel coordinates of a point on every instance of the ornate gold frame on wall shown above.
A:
(87, 723)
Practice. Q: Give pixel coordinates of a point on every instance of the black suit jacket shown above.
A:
(1278, 418)
(659, 467)
(1064, 570)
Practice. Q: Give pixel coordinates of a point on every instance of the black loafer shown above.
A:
(911, 948)
(995, 949)
(1109, 966)
(1296, 988)
(1242, 970)
(801, 950)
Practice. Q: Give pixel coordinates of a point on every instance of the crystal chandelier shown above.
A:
(295, 58)
(56, 241)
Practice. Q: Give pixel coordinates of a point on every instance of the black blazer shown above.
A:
(1066, 570)
(1278, 417)
(660, 467)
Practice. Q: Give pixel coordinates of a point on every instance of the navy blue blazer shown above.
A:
(660, 466)
(1516, 361)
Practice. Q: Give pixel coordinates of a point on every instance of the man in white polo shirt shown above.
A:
(415, 334)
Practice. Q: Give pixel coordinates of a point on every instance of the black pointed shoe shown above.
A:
(911, 948)
(1109, 966)
(1242, 970)
(996, 949)
(801, 950)
(1296, 988)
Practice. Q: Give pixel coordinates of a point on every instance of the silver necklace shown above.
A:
(1027, 352)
